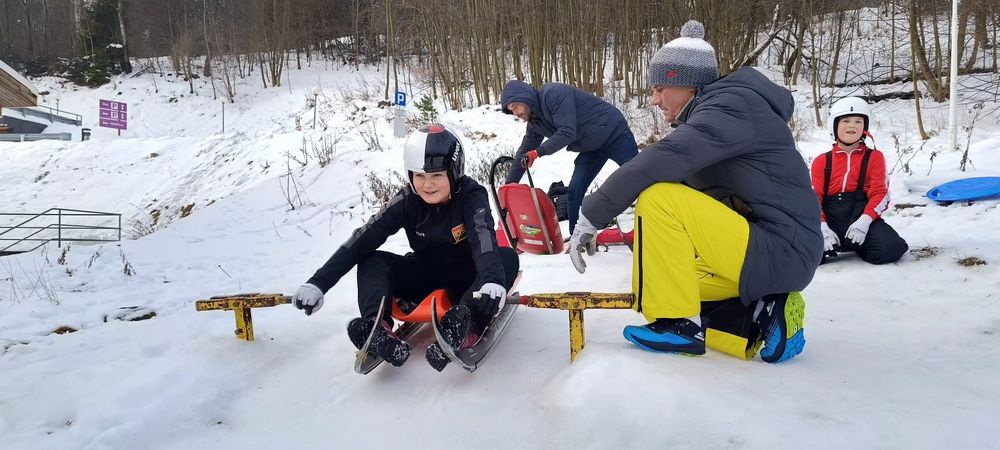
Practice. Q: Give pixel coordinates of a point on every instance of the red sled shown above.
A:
(615, 236)
(528, 220)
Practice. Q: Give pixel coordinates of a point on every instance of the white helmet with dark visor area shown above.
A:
(433, 148)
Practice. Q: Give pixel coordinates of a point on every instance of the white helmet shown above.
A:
(849, 106)
(433, 148)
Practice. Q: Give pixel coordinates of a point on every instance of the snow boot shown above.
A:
(782, 323)
(385, 344)
(668, 335)
(459, 331)
(436, 357)
(358, 330)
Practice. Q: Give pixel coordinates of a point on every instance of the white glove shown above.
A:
(308, 298)
(584, 238)
(859, 229)
(829, 237)
(494, 291)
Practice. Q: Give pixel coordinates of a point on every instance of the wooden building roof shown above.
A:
(15, 90)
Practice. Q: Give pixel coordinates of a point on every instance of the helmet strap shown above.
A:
(866, 133)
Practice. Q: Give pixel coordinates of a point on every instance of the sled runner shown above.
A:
(471, 357)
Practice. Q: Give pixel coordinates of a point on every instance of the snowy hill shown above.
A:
(898, 356)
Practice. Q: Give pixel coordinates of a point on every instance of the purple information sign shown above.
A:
(114, 115)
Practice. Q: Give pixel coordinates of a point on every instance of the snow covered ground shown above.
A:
(898, 356)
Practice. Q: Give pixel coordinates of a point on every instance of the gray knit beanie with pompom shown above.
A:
(685, 61)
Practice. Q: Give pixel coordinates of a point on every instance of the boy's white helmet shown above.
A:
(849, 106)
(433, 148)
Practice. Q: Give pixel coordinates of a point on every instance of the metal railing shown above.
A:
(29, 137)
(52, 115)
(58, 225)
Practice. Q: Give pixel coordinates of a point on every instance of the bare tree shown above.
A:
(77, 23)
(181, 54)
(28, 26)
(126, 65)
(916, 92)
(929, 76)
(207, 70)
(271, 20)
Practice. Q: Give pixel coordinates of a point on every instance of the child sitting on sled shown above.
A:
(449, 226)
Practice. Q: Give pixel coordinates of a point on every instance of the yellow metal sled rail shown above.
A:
(575, 303)
(241, 304)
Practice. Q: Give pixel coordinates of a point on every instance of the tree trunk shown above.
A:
(920, 54)
(207, 70)
(795, 62)
(125, 63)
(979, 38)
(77, 27)
(939, 56)
(817, 96)
(29, 27)
(996, 42)
(45, 31)
(916, 89)
(892, 40)
(388, 38)
(5, 25)
(837, 44)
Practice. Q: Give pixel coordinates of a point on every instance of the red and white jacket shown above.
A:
(844, 178)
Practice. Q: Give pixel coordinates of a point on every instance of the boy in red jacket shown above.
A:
(850, 181)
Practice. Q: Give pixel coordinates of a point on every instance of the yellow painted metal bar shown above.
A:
(231, 302)
(241, 305)
(244, 324)
(576, 336)
(579, 300)
(575, 303)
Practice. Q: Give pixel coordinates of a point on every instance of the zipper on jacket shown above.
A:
(847, 173)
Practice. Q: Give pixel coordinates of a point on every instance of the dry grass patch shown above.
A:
(924, 252)
(971, 261)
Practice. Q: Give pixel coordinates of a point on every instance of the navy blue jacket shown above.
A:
(567, 116)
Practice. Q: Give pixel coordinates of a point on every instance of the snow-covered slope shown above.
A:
(898, 356)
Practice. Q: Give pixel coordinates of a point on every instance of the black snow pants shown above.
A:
(388, 275)
(882, 244)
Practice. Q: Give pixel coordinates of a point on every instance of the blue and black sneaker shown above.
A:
(668, 335)
(782, 323)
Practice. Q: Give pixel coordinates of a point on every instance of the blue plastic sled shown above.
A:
(966, 189)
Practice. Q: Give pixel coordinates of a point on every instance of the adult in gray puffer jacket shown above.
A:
(569, 118)
(725, 210)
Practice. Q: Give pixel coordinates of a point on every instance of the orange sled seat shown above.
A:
(422, 311)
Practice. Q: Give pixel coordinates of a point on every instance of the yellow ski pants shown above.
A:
(689, 248)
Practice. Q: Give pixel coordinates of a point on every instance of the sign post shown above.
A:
(114, 115)
(399, 123)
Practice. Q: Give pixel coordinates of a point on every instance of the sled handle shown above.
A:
(496, 199)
